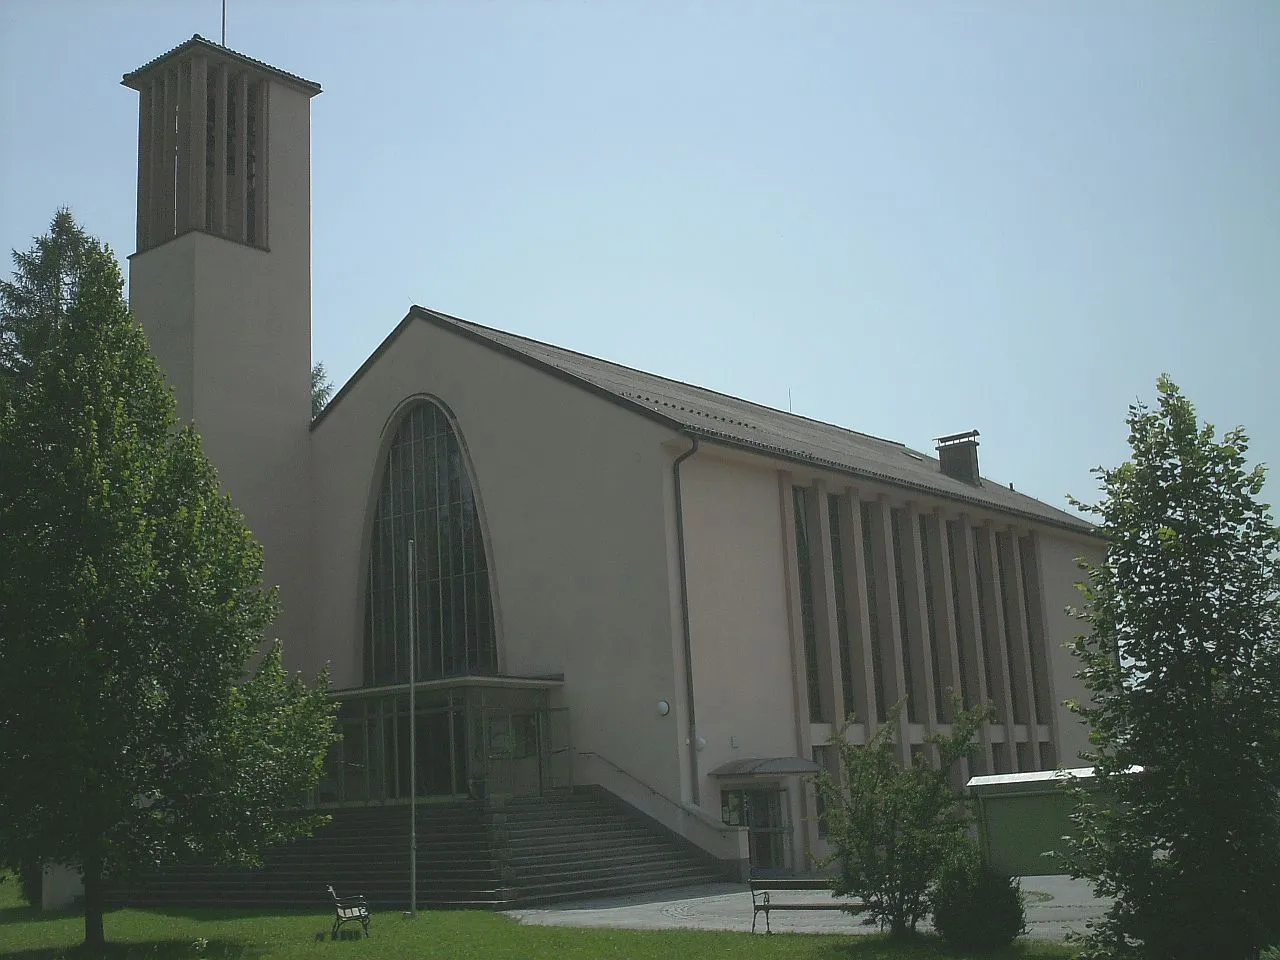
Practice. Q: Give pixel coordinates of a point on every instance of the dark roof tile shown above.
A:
(308, 86)
(722, 418)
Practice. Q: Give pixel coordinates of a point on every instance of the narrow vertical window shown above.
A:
(984, 623)
(940, 705)
(1035, 633)
(251, 165)
(231, 125)
(964, 642)
(1016, 692)
(808, 621)
(900, 581)
(873, 616)
(842, 606)
(211, 120)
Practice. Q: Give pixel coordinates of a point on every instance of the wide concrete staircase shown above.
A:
(491, 856)
(590, 845)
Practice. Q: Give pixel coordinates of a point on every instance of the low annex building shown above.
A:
(621, 580)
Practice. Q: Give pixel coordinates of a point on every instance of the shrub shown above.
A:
(892, 828)
(976, 908)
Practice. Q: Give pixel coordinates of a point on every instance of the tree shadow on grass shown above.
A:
(205, 914)
(169, 949)
(20, 914)
(921, 947)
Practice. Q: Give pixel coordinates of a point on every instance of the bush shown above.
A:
(1271, 953)
(976, 908)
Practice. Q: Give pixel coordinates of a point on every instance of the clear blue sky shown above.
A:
(919, 218)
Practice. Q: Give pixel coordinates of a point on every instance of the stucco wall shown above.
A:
(572, 492)
(1059, 574)
(231, 326)
(738, 614)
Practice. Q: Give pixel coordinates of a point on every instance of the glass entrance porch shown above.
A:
(475, 737)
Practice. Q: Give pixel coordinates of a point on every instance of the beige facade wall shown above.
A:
(231, 326)
(573, 495)
(742, 665)
(1059, 574)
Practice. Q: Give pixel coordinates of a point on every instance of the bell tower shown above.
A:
(221, 281)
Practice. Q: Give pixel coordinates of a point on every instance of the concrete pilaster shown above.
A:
(919, 643)
(973, 675)
(995, 642)
(1016, 625)
(859, 626)
(890, 638)
(943, 628)
(1046, 695)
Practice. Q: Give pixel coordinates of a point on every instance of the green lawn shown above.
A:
(213, 934)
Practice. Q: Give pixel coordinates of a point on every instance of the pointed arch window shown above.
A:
(426, 497)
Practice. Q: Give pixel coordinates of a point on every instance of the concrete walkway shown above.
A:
(1055, 907)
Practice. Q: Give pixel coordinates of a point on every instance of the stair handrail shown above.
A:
(709, 821)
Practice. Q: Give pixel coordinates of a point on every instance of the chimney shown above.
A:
(958, 456)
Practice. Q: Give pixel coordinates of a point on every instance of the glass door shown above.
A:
(763, 811)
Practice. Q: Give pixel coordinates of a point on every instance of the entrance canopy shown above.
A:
(770, 767)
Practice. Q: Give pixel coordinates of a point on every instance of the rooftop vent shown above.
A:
(958, 455)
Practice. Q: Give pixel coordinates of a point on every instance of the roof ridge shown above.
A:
(480, 327)
(197, 40)
(869, 462)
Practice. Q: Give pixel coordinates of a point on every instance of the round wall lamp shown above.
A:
(663, 708)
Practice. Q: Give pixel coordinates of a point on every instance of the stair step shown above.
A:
(555, 849)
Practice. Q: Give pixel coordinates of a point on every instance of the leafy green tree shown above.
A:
(141, 719)
(1182, 664)
(892, 828)
(321, 389)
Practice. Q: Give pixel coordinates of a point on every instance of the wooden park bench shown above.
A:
(763, 890)
(347, 910)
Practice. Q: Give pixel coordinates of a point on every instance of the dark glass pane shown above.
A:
(426, 496)
(873, 616)
(940, 703)
(964, 641)
(804, 569)
(896, 516)
(842, 607)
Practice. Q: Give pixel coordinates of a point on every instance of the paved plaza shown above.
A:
(1056, 906)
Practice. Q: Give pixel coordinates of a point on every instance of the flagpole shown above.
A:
(413, 742)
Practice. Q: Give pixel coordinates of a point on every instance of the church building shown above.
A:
(603, 578)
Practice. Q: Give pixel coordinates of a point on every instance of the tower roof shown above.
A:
(134, 79)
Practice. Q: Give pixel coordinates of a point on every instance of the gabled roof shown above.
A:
(731, 421)
(218, 50)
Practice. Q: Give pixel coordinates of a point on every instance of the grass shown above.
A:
(250, 935)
